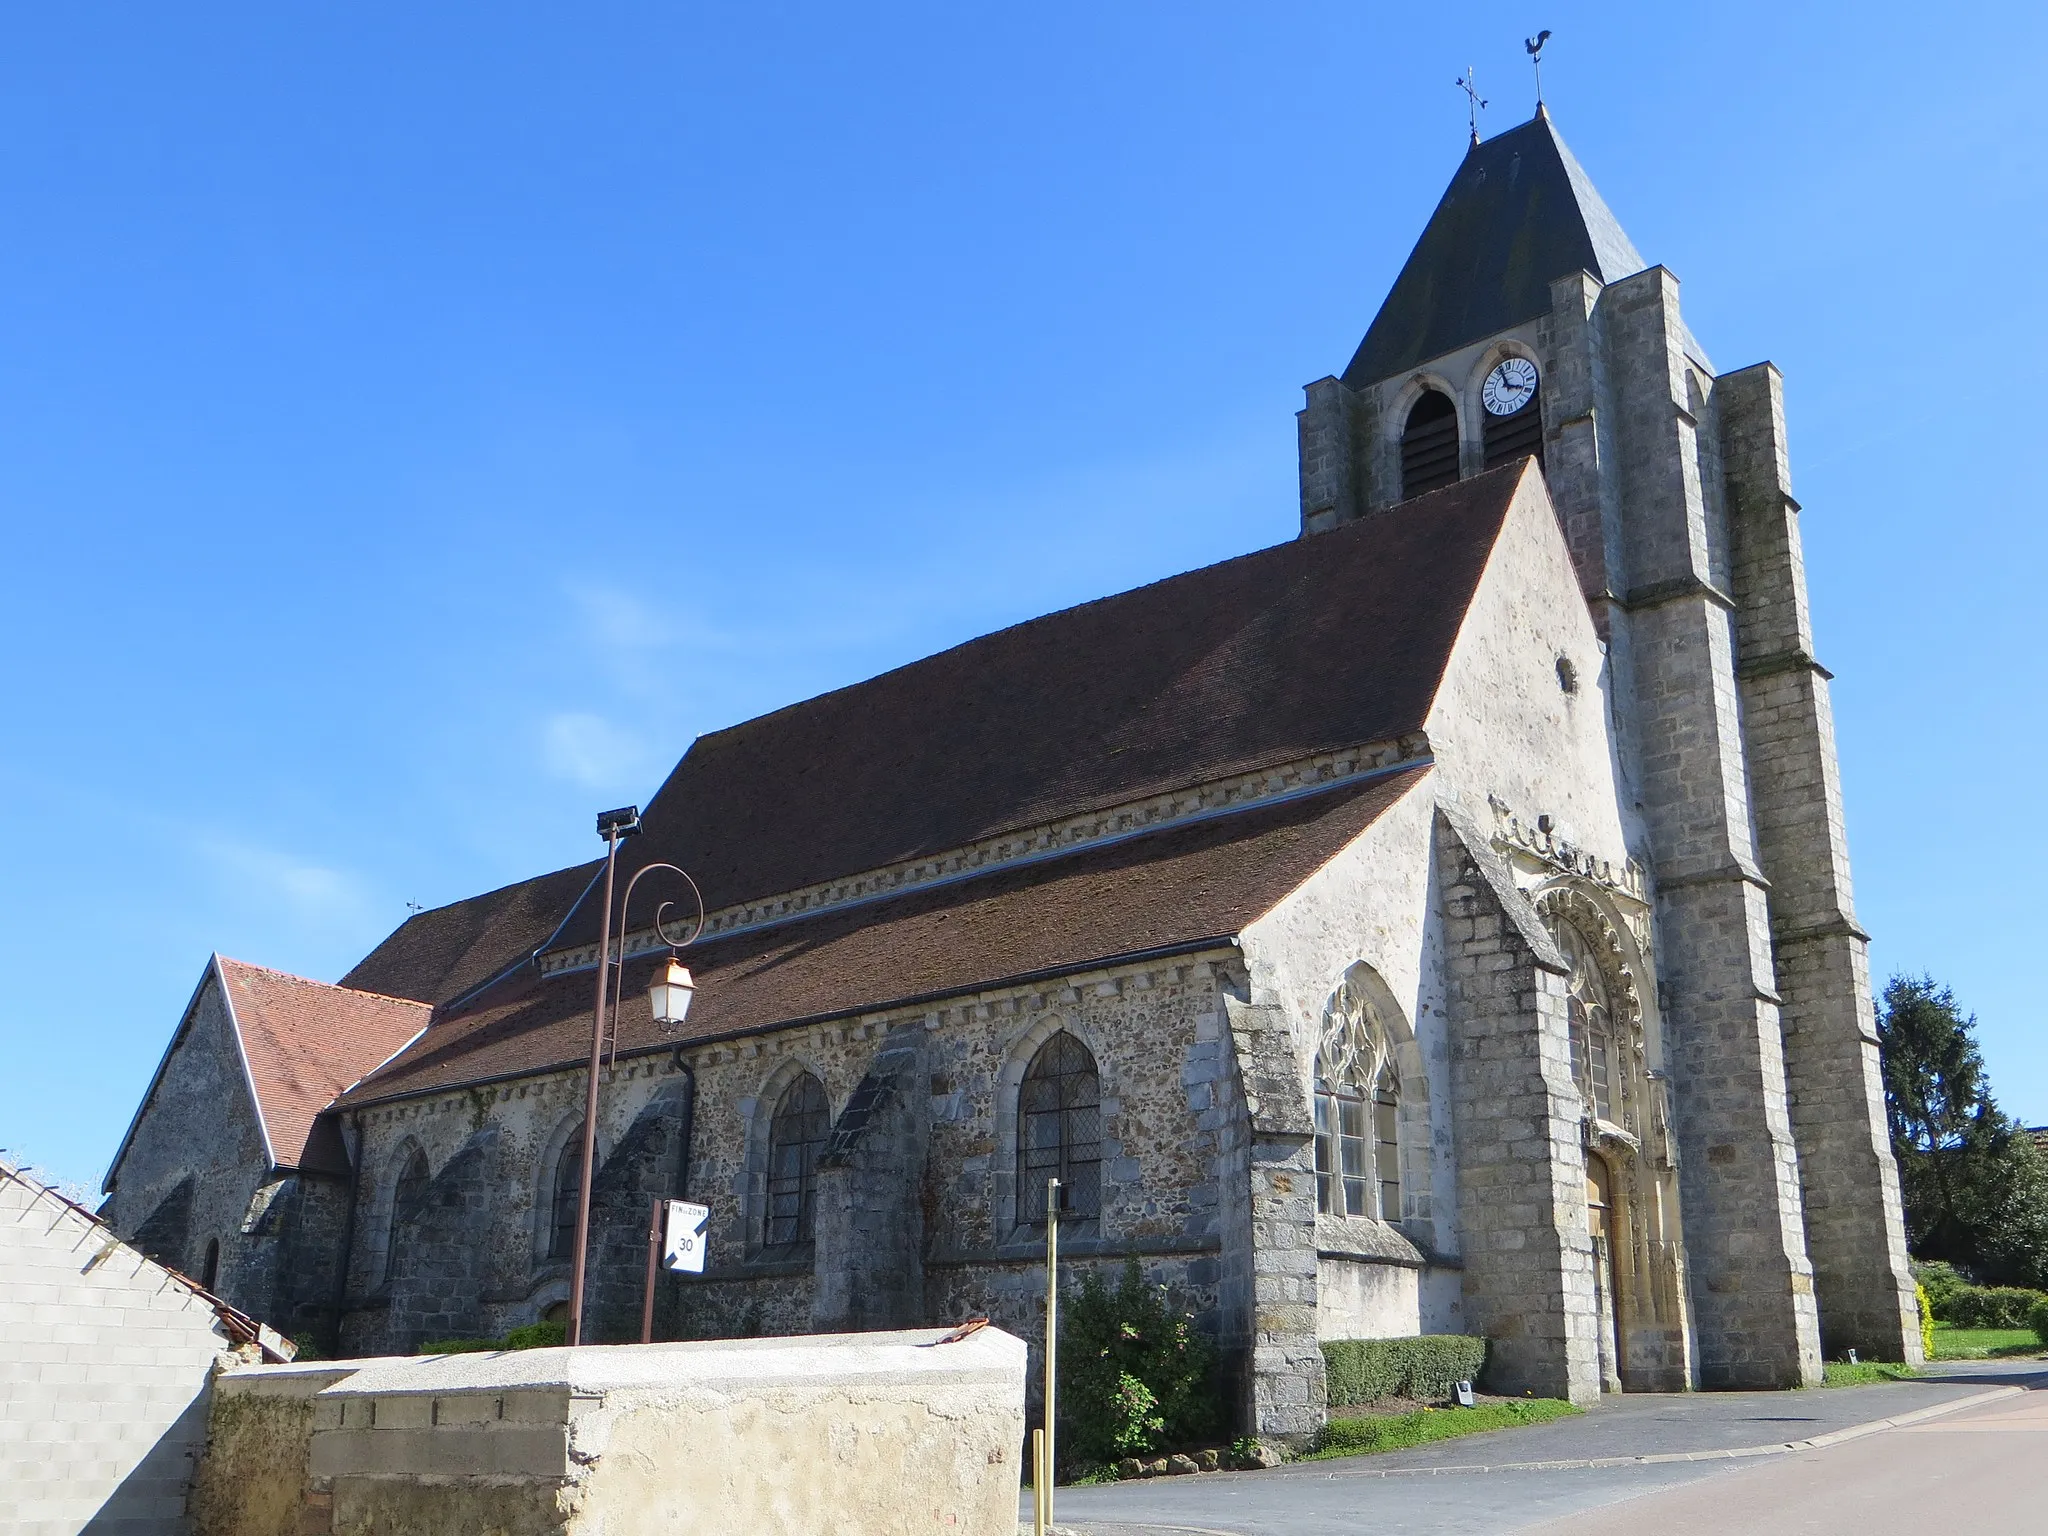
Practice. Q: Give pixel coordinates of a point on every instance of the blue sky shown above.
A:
(418, 422)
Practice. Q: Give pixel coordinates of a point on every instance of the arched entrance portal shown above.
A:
(1606, 1275)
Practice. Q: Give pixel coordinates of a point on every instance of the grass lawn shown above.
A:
(1984, 1343)
(1840, 1373)
(1399, 1431)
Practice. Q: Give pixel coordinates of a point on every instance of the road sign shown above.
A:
(684, 1245)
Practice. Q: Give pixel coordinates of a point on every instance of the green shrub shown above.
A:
(1926, 1320)
(1991, 1306)
(1425, 1368)
(1135, 1374)
(2037, 1319)
(1941, 1283)
(532, 1336)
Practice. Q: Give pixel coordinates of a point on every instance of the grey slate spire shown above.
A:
(1519, 213)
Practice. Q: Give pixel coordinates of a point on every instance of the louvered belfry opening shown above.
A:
(1519, 436)
(1429, 445)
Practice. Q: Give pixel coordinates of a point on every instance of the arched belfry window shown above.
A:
(1594, 1065)
(1513, 399)
(1358, 1111)
(1429, 445)
(566, 1194)
(796, 1135)
(406, 1193)
(1059, 1131)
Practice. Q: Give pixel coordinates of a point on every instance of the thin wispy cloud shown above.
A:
(591, 751)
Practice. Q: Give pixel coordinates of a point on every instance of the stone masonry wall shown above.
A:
(1855, 1228)
(104, 1364)
(1529, 1271)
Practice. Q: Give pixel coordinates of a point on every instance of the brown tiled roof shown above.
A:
(1179, 885)
(306, 1041)
(433, 957)
(1313, 645)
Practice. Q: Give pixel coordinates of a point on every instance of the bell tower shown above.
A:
(1525, 323)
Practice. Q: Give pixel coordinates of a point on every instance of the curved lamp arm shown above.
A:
(625, 909)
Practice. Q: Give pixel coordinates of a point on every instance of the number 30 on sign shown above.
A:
(684, 1244)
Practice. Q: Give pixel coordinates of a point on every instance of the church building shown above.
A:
(1440, 922)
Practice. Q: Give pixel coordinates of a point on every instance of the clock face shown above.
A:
(1510, 386)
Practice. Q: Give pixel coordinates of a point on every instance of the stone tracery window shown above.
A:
(1059, 1131)
(796, 1135)
(1358, 1111)
(1595, 1067)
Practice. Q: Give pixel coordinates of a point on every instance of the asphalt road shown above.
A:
(1984, 1465)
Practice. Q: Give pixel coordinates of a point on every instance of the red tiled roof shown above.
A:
(1313, 645)
(434, 957)
(1179, 885)
(306, 1041)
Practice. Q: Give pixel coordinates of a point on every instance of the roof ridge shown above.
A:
(314, 981)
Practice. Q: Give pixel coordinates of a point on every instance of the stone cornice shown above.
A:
(1072, 834)
(1529, 841)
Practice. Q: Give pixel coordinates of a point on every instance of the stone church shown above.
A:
(1440, 922)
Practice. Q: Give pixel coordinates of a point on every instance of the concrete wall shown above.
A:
(104, 1363)
(876, 1433)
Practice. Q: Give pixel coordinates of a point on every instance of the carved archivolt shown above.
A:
(1608, 1053)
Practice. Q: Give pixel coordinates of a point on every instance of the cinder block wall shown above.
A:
(104, 1363)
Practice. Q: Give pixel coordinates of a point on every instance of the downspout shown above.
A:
(348, 1240)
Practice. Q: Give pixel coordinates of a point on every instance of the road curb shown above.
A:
(1731, 1453)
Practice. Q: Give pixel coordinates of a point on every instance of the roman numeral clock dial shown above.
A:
(1510, 386)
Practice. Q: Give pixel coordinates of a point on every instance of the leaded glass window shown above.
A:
(568, 1193)
(406, 1193)
(1358, 1111)
(1059, 1131)
(1594, 1067)
(796, 1135)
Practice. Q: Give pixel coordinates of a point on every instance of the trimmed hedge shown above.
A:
(1991, 1306)
(1425, 1368)
(2038, 1320)
(532, 1336)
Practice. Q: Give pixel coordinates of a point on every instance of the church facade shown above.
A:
(1438, 923)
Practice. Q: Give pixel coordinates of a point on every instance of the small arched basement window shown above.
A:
(405, 1198)
(796, 1135)
(566, 1195)
(1358, 1112)
(1517, 436)
(1429, 445)
(1059, 1131)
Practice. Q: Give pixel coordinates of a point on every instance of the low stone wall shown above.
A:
(875, 1433)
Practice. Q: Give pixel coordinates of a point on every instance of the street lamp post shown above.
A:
(668, 1000)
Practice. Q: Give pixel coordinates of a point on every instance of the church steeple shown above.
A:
(1519, 213)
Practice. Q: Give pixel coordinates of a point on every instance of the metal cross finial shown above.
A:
(1473, 100)
(1534, 45)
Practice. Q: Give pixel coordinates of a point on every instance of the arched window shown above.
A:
(210, 1272)
(1519, 434)
(796, 1135)
(405, 1198)
(1594, 1067)
(568, 1190)
(1358, 1111)
(1429, 445)
(1059, 1131)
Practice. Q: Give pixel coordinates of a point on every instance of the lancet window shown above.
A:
(1429, 445)
(796, 1135)
(1358, 1111)
(1059, 1131)
(406, 1192)
(568, 1191)
(1595, 1063)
